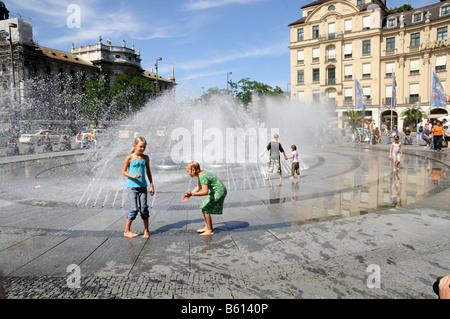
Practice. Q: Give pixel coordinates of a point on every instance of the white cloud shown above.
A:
(270, 50)
(194, 5)
(128, 23)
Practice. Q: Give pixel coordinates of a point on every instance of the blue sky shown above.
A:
(203, 39)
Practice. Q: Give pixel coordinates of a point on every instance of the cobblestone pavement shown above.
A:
(261, 250)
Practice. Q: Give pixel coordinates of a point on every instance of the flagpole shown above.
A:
(431, 91)
(392, 97)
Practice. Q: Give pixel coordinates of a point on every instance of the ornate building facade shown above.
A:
(337, 41)
(23, 61)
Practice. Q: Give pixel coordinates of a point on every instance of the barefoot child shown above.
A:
(295, 162)
(212, 187)
(136, 166)
(396, 152)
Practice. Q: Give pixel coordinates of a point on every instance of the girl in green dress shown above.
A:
(212, 187)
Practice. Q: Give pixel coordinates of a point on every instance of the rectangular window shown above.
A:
(414, 66)
(415, 39)
(360, 2)
(315, 54)
(442, 34)
(390, 68)
(445, 10)
(366, 23)
(316, 96)
(417, 17)
(348, 94)
(388, 98)
(300, 34)
(366, 70)
(316, 75)
(391, 23)
(301, 77)
(300, 56)
(366, 47)
(413, 93)
(331, 31)
(441, 62)
(390, 44)
(331, 54)
(366, 92)
(347, 50)
(315, 32)
(348, 71)
(348, 26)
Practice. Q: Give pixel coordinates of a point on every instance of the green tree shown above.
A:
(413, 115)
(131, 93)
(211, 92)
(99, 101)
(405, 7)
(95, 99)
(354, 118)
(245, 89)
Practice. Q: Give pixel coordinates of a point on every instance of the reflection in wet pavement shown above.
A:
(337, 184)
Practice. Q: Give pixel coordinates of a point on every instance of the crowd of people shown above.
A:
(435, 134)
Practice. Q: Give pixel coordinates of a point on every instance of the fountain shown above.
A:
(222, 135)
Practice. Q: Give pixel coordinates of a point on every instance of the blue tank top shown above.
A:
(136, 167)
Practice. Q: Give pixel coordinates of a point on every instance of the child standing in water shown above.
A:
(136, 166)
(396, 152)
(295, 162)
(212, 187)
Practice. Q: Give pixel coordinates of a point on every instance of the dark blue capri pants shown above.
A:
(137, 196)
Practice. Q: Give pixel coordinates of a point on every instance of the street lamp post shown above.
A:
(13, 81)
(156, 65)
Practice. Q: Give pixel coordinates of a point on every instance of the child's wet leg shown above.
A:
(128, 233)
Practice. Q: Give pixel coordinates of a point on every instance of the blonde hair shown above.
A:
(137, 141)
(195, 166)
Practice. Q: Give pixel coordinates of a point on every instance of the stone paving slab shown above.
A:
(260, 250)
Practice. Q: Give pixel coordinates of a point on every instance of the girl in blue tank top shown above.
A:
(136, 167)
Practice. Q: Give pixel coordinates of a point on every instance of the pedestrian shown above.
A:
(208, 185)
(372, 131)
(419, 131)
(396, 152)
(79, 139)
(427, 137)
(408, 137)
(47, 143)
(393, 133)
(357, 135)
(93, 139)
(447, 135)
(295, 162)
(136, 167)
(275, 148)
(438, 133)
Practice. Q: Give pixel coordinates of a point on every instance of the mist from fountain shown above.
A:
(219, 133)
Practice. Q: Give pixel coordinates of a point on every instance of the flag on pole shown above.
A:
(437, 92)
(359, 103)
(394, 91)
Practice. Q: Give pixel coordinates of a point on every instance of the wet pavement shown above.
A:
(350, 228)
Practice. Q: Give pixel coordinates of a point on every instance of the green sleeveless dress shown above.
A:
(213, 204)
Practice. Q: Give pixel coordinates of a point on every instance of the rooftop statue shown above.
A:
(4, 12)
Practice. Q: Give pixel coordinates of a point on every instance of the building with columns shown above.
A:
(23, 61)
(336, 41)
